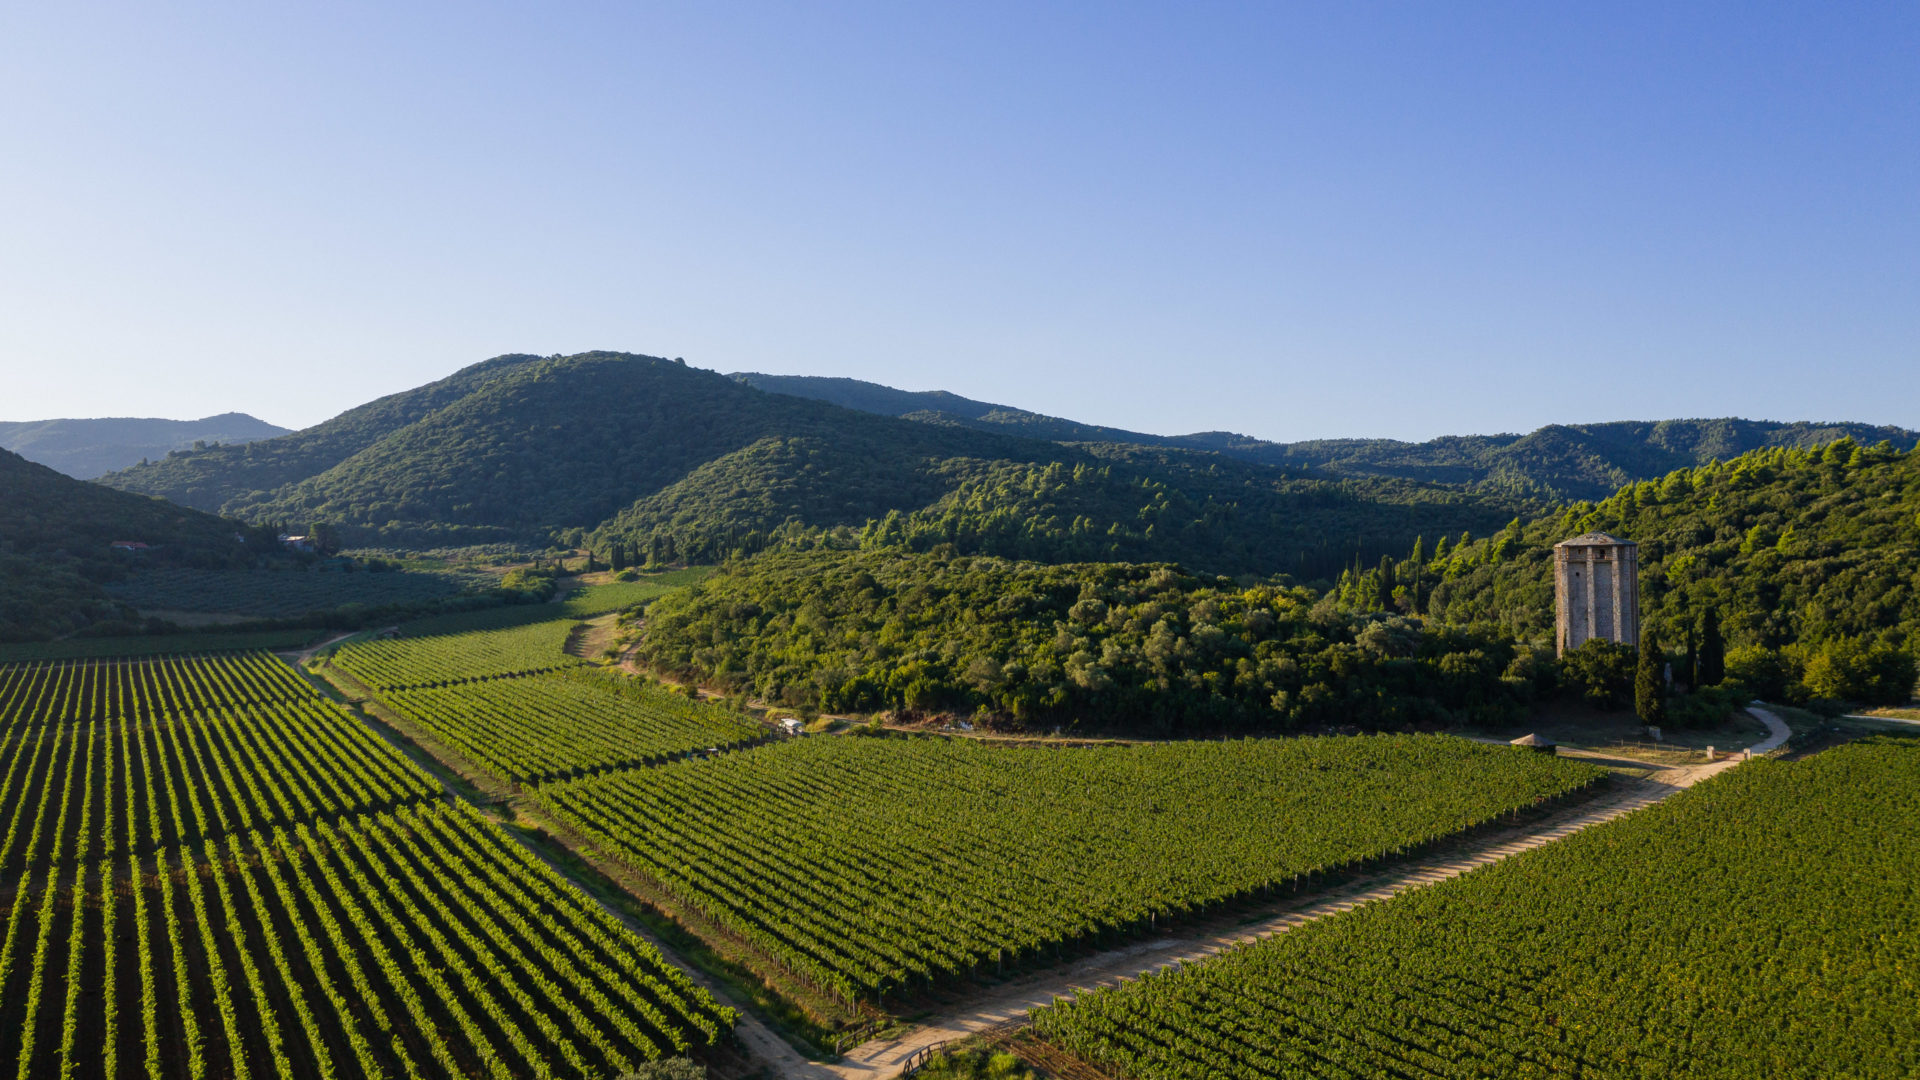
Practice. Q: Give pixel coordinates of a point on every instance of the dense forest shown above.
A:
(1090, 503)
(1808, 559)
(1803, 562)
(1139, 646)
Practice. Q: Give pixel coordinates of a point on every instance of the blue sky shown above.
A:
(1294, 221)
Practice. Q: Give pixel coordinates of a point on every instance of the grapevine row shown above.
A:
(261, 888)
(1761, 924)
(871, 865)
(565, 723)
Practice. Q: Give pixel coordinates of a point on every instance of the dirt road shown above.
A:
(884, 1058)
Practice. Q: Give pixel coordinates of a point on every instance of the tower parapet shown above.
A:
(1596, 590)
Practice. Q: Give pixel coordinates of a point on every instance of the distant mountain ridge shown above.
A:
(1557, 463)
(86, 449)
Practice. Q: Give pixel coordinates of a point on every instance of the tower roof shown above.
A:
(1595, 539)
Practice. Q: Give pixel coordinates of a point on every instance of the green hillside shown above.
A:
(674, 463)
(88, 448)
(1047, 502)
(1809, 558)
(1572, 461)
(230, 479)
(55, 546)
(1556, 463)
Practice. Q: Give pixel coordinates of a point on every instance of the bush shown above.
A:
(1854, 669)
(1707, 707)
(668, 1069)
(1600, 671)
(1765, 673)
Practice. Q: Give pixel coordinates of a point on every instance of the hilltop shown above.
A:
(677, 463)
(1560, 462)
(85, 449)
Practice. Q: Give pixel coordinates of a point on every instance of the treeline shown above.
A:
(1809, 559)
(1140, 647)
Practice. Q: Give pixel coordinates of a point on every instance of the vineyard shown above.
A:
(209, 870)
(868, 866)
(1762, 924)
(284, 593)
(563, 723)
(600, 599)
(445, 659)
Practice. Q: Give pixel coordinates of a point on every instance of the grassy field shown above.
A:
(1761, 924)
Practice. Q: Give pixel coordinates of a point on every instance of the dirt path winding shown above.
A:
(1777, 731)
(885, 1058)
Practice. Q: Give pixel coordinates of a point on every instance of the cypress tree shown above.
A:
(1692, 670)
(1650, 683)
(1383, 599)
(1713, 651)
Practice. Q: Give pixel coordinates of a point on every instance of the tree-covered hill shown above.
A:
(1554, 464)
(1564, 462)
(1031, 500)
(1120, 646)
(232, 479)
(55, 546)
(670, 462)
(89, 448)
(1809, 558)
(941, 407)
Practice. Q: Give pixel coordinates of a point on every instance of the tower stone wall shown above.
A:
(1596, 590)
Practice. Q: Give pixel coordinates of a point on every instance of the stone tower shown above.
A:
(1596, 590)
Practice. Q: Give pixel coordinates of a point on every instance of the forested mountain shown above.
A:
(1564, 462)
(55, 546)
(89, 448)
(1808, 558)
(230, 479)
(672, 462)
(1032, 500)
(941, 407)
(1556, 463)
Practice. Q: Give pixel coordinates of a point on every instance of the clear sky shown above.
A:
(1290, 220)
